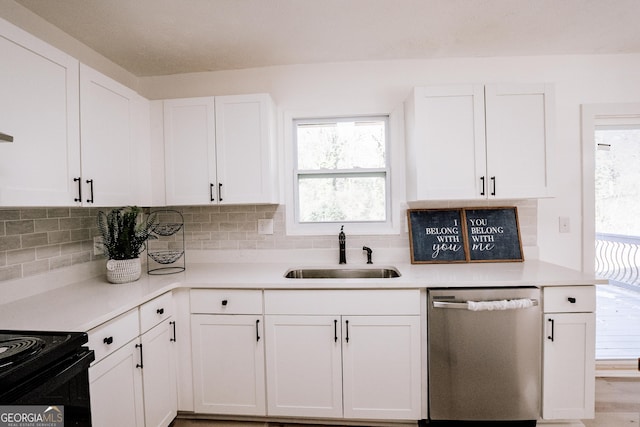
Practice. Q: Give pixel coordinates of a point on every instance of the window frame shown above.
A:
(394, 150)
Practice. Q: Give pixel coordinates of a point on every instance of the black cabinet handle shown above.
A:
(174, 331)
(335, 330)
(79, 181)
(140, 365)
(225, 302)
(258, 330)
(160, 311)
(220, 192)
(211, 193)
(347, 327)
(482, 180)
(552, 336)
(108, 340)
(90, 182)
(572, 300)
(493, 181)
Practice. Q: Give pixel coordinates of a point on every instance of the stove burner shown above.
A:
(16, 349)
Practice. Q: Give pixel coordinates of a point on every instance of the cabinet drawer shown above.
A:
(569, 299)
(347, 302)
(223, 301)
(110, 336)
(155, 311)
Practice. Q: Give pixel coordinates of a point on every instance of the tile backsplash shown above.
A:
(37, 240)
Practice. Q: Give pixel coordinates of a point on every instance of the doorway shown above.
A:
(611, 229)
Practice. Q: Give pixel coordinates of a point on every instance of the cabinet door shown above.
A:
(304, 371)
(569, 366)
(246, 157)
(40, 110)
(519, 121)
(228, 364)
(107, 129)
(190, 152)
(159, 376)
(115, 385)
(446, 143)
(381, 367)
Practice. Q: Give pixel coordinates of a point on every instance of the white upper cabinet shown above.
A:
(108, 112)
(220, 150)
(520, 122)
(189, 150)
(39, 109)
(470, 142)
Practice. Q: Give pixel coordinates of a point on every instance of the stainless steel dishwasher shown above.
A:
(484, 355)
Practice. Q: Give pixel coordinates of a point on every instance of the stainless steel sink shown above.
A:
(342, 273)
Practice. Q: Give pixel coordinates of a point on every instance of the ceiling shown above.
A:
(161, 37)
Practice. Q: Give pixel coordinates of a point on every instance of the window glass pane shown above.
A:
(346, 198)
(617, 177)
(341, 145)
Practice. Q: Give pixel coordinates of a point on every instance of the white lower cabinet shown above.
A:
(116, 389)
(304, 365)
(227, 346)
(132, 382)
(569, 353)
(228, 364)
(381, 367)
(159, 375)
(327, 357)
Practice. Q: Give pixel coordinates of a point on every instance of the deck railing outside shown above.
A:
(618, 259)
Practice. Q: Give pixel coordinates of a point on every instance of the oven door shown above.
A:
(64, 383)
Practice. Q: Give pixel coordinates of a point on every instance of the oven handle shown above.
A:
(465, 305)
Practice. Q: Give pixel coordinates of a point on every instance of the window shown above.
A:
(342, 170)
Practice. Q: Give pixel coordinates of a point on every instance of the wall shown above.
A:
(38, 240)
(381, 87)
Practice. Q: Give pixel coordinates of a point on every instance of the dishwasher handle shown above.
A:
(467, 306)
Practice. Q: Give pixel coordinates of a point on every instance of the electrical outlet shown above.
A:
(265, 226)
(98, 248)
(564, 224)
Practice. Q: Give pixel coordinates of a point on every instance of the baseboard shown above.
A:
(617, 369)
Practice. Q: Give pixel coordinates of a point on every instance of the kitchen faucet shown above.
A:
(369, 252)
(342, 239)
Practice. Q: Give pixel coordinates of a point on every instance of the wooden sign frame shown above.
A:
(437, 236)
(493, 234)
(464, 235)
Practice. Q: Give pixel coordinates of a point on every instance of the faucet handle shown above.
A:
(369, 252)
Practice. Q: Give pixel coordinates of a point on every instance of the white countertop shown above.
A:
(83, 305)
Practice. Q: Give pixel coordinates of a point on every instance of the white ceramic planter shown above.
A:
(123, 270)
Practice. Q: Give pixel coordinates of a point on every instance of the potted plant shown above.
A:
(124, 234)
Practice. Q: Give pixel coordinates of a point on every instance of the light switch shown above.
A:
(564, 224)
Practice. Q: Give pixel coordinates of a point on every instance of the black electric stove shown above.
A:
(46, 368)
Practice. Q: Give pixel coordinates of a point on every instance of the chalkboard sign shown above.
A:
(436, 235)
(493, 234)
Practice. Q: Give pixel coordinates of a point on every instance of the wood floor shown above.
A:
(617, 405)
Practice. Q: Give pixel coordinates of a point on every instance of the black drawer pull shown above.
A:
(174, 331)
(160, 311)
(257, 330)
(90, 182)
(225, 302)
(572, 300)
(347, 328)
(140, 365)
(79, 181)
(552, 336)
(108, 340)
